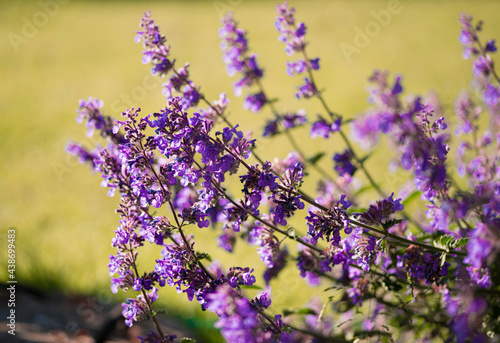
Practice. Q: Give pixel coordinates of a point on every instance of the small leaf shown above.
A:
(204, 256)
(364, 158)
(390, 285)
(363, 189)
(187, 340)
(314, 159)
(250, 287)
(390, 223)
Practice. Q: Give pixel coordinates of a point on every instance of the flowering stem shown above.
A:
(384, 232)
(172, 209)
(150, 307)
(292, 140)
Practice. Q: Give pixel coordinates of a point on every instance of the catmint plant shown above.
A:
(391, 275)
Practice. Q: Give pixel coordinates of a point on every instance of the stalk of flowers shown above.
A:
(136, 157)
(294, 37)
(236, 50)
(237, 59)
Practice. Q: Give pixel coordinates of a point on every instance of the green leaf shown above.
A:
(460, 242)
(383, 245)
(187, 340)
(411, 197)
(364, 158)
(314, 159)
(390, 285)
(351, 210)
(390, 223)
(448, 243)
(304, 310)
(250, 287)
(203, 256)
(363, 189)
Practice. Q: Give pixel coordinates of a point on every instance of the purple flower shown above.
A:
(254, 102)
(153, 337)
(482, 66)
(278, 262)
(380, 213)
(237, 59)
(307, 90)
(320, 128)
(327, 225)
(490, 46)
(491, 95)
(291, 34)
(238, 320)
(155, 50)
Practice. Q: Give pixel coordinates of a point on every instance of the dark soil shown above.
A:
(58, 318)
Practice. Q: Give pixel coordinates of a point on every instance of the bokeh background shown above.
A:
(50, 57)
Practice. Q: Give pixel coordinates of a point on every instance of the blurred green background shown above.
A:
(53, 56)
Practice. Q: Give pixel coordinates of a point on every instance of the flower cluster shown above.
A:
(238, 59)
(427, 268)
(293, 35)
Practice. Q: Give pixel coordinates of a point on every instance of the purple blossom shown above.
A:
(287, 201)
(307, 90)
(320, 128)
(155, 50)
(254, 102)
(490, 46)
(287, 121)
(237, 59)
(379, 214)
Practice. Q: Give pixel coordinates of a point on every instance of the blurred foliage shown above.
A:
(64, 221)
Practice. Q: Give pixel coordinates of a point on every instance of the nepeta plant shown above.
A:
(392, 274)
